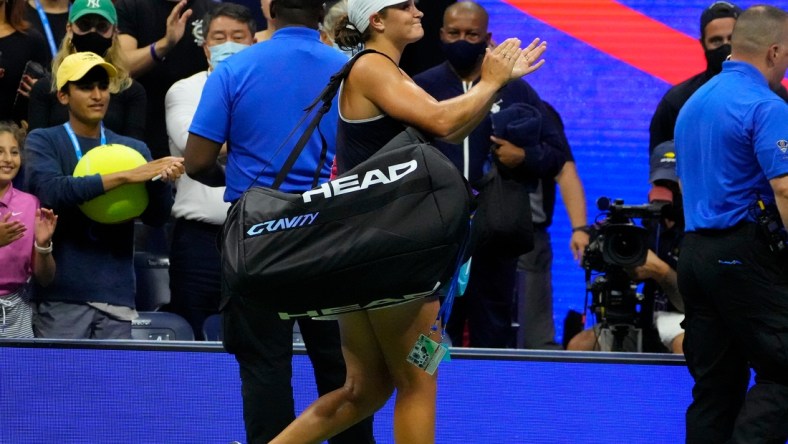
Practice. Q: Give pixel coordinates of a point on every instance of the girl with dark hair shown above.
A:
(25, 240)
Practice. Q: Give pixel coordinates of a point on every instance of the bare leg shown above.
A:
(586, 340)
(397, 330)
(375, 345)
(677, 346)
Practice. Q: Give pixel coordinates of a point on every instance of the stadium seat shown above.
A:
(212, 328)
(153, 280)
(161, 326)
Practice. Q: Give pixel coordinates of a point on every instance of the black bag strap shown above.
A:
(326, 97)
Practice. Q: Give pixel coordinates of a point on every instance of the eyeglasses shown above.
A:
(92, 22)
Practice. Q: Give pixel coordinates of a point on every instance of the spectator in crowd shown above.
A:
(334, 11)
(487, 302)
(25, 240)
(254, 8)
(265, 34)
(49, 18)
(376, 342)
(92, 27)
(662, 309)
(230, 111)
(200, 210)
(732, 162)
(18, 45)
(716, 26)
(92, 295)
(534, 288)
(162, 43)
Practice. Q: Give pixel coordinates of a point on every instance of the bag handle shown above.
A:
(326, 97)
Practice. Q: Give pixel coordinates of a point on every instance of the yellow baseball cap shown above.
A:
(75, 66)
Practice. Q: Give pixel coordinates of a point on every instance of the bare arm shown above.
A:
(780, 187)
(574, 198)
(166, 169)
(403, 100)
(200, 155)
(461, 133)
(657, 269)
(140, 60)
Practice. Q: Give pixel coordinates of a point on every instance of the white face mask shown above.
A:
(220, 52)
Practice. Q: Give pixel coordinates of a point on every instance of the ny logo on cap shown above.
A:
(94, 3)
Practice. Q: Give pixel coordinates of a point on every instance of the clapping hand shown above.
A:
(529, 60)
(10, 231)
(46, 221)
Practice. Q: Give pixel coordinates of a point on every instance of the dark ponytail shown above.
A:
(347, 37)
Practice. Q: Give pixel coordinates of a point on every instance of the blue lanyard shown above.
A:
(75, 142)
(448, 301)
(47, 29)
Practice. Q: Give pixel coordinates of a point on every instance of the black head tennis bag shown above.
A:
(387, 231)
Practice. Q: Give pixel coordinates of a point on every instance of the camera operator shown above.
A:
(661, 306)
(665, 235)
(732, 144)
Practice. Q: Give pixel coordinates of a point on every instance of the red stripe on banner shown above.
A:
(622, 33)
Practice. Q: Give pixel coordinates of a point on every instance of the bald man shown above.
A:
(733, 166)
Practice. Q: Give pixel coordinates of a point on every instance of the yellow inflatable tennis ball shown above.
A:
(119, 204)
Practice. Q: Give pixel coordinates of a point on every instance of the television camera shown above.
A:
(616, 245)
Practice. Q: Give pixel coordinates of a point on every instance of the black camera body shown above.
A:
(617, 244)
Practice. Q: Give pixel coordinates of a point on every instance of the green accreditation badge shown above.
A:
(426, 354)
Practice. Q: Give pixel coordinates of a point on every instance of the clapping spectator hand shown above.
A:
(10, 231)
(46, 221)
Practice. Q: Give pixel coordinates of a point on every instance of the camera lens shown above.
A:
(625, 246)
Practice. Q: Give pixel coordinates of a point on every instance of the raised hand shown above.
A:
(46, 221)
(529, 59)
(499, 61)
(176, 23)
(10, 231)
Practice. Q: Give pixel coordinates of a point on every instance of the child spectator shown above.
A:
(25, 241)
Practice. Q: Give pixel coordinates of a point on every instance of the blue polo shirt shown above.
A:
(255, 98)
(731, 139)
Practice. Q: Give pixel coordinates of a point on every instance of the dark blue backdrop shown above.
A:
(606, 105)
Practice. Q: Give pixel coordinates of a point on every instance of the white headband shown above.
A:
(359, 11)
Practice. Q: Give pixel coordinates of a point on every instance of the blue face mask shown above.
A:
(220, 52)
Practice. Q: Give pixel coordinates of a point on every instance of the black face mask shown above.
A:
(92, 42)
(715, 57)
(462, 55)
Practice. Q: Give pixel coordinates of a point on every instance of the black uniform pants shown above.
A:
(736, 297)
(263, 346)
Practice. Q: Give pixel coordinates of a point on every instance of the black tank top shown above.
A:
(357, 140)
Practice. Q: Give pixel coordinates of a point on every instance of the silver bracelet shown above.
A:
(43, 250)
